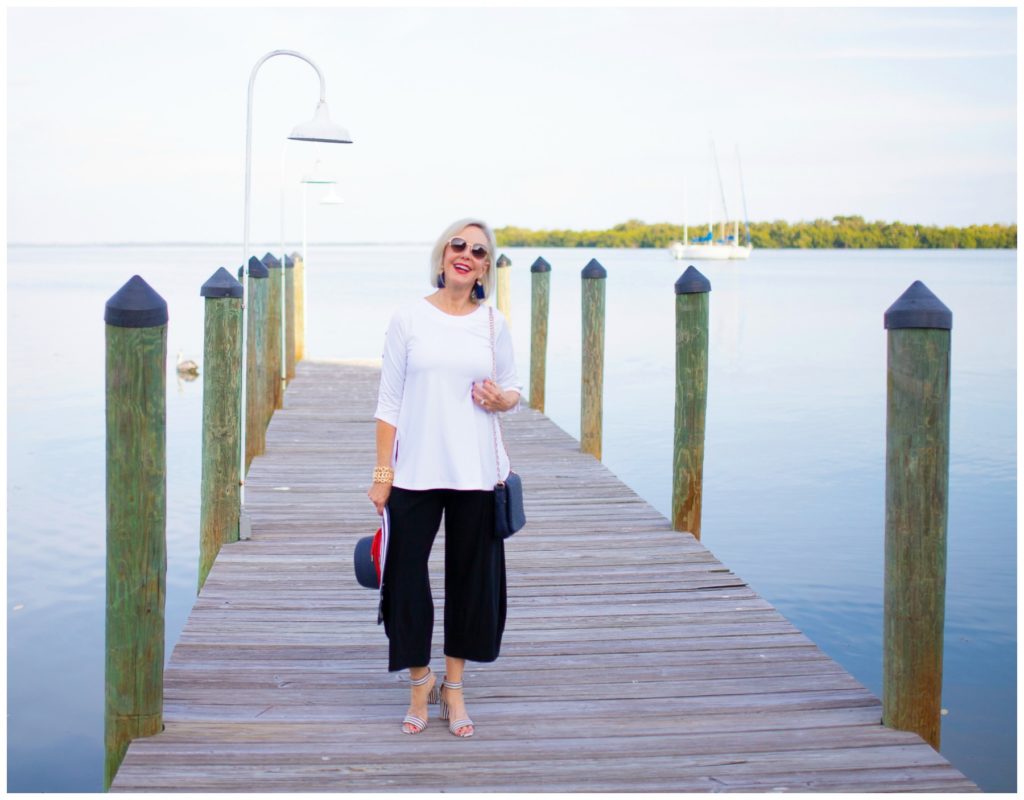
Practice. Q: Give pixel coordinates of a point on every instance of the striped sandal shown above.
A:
(417, 723)
(454, 725)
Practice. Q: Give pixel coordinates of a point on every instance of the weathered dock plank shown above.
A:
(633, 659)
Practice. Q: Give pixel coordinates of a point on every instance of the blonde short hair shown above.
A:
(437, 254)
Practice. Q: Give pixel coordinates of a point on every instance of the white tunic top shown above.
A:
(431, 360)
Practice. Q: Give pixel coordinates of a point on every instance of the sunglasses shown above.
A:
(458, 245)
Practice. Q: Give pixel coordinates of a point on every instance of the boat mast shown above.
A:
(721, 188)
(686, 240)
(711, 229)
(743, 194)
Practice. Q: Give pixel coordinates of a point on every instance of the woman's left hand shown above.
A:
(488, 395)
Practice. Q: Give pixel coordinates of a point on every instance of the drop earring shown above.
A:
(440, 280)
(478, 290)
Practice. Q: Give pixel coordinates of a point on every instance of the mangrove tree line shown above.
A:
(838, 232)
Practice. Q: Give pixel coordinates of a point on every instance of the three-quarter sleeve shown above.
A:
(392, 372)
(505, 359)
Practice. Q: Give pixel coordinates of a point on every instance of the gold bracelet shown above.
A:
(383, 475)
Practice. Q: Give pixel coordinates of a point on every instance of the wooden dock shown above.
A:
(633, 660)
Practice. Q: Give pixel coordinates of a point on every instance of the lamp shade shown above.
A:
(317, 175)
(332, 198)
(320, 129)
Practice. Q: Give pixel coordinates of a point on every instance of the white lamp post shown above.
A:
(318, 129)
(318, 178)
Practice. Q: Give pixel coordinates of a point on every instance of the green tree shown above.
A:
(841, 231)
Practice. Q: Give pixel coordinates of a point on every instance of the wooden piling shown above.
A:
(222, 424)
(272, 350)
(289, 322)
(136, 499)
(916, 508)
(258, 405)
(692, 290)
(300, 306)
(503, 278)
(592, 388)
(540, 277)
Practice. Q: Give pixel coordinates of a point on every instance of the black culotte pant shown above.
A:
(474, 576)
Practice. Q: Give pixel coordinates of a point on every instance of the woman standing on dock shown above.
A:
(439, 450)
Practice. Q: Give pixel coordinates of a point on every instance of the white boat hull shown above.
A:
(710, 252)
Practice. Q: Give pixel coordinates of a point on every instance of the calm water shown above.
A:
(794, 465)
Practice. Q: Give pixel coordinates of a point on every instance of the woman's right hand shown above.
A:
(379, 494)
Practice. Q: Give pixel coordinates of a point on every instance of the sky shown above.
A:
(128, 124)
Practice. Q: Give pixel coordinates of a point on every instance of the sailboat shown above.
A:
(707, 247)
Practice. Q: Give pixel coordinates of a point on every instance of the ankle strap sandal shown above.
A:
(454, 725)
(418, 723)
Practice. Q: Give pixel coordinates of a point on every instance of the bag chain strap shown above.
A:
(494, 415)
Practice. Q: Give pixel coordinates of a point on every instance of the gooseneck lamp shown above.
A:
(319, 129)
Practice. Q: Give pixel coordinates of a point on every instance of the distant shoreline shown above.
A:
(838, 233)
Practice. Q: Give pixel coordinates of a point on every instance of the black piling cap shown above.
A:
(692, 282)
(289, 262)
(594, 270)
(257, 269)
(540, 265)
(221, 284)
(504, 261)
(296, 256)
(918, 308)
(270, 261)
(136, 305)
